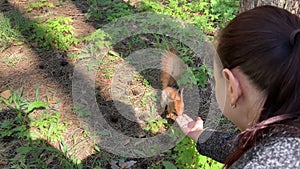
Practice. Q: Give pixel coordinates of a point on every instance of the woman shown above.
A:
(259, 63)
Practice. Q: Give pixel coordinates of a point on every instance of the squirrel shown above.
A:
(172, 69)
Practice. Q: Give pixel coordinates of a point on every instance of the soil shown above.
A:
(52, 71)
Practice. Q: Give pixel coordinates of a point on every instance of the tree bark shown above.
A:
(290, 5)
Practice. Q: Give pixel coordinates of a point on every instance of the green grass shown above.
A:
(153, 126)
(50, 126)
(12, 60)
(187, 157)
(32, 148)
(39, 5)
(205, 14)
(106, 11)
(18, 126)
(54, 33)
(8, 35)
(37, 154)
(48, 123)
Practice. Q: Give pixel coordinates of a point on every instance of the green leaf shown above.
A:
(155, 128)
(104, 133)
(147, 128)
(97, 148)
(23, 150)
(51, 128)
(34, 135)
(65, 147)
(168, 165)
(37, 93)
(6, 124)
(36, 105)
(139, 152)
(113, 53)
(164, 121)
(159, 123)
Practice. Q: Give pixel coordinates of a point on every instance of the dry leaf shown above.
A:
(3, 162)
(6, 94)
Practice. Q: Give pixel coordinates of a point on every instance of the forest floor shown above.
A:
(27, 65)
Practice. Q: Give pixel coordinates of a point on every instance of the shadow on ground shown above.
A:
(52, 69)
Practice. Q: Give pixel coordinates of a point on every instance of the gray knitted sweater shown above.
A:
(275, 151)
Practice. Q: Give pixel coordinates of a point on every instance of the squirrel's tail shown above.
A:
(172, 69)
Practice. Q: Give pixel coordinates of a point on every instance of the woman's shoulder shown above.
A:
(272, 152)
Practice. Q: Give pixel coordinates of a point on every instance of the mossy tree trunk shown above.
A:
(290, 5)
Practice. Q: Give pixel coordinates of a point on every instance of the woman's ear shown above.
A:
(233, 86)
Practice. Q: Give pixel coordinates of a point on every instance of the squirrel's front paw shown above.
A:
(171, 116)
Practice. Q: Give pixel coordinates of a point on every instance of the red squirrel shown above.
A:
(172, 69)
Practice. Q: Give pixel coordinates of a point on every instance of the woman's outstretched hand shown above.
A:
(191, 128)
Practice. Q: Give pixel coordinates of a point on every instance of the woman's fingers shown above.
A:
(188, 118)
(184, 121)
(190, 127)
(198, 125)
(185, 118)
(181, 120)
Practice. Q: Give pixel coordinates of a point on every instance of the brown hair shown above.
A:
(258, 43)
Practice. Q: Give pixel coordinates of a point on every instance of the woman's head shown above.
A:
(257, 43)
(258, 48)
(238, 97)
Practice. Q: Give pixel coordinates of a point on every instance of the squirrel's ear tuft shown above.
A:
(181, 93)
